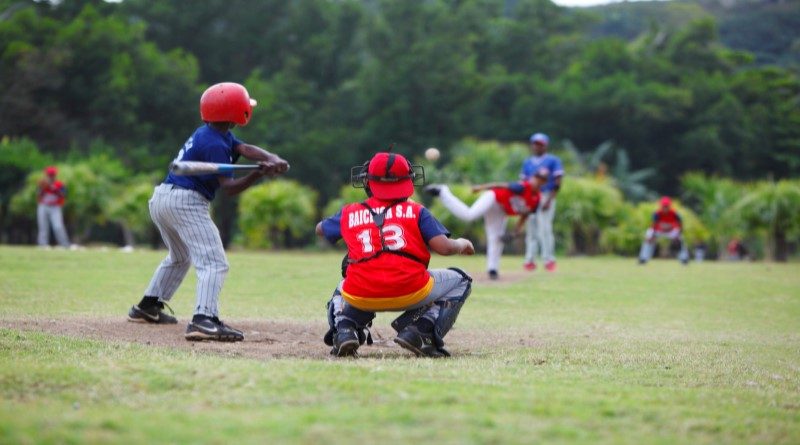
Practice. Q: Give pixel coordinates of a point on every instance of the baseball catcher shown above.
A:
(389, 238)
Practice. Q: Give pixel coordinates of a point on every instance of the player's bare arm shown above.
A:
(234, 186)
(443, 245)
(272, 162)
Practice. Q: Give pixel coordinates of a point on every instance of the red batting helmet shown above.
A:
(226, 102)
(51, 171)
(665, 201)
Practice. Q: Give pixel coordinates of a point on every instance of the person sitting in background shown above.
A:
(666, 224)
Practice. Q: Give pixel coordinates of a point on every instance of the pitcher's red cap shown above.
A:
(389, 176)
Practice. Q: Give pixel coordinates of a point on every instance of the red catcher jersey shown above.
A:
(52, 194)
(388, 275)
(517, 204)
(666, 221)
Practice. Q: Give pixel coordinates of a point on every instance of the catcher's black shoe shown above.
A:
(345, 343)
(153, 314)
(420, 343)
(212, 328)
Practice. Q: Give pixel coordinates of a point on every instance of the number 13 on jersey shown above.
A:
(392, 236)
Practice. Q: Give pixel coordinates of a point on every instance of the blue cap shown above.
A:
(540, 137)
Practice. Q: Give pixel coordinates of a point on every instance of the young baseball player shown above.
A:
(51, 196)
(389, 239)
(180, 209)
(498, 201)
(666, 224)
(539, 229)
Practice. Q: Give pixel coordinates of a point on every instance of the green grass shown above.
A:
(708, 353)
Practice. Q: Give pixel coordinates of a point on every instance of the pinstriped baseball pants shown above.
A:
(182, 216)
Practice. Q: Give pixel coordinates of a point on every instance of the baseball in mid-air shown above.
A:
(432, 154)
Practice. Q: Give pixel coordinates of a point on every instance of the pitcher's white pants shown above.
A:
(494, 220)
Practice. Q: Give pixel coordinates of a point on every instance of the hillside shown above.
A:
(770, 29)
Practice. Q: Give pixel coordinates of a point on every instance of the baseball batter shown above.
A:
(666, 224)
(388, 239)
(497, 202)
(180, 209)
(539, 229)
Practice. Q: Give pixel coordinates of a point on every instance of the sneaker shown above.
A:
(642, 261)
(153, 315)
(346, 343)
(493, 275)
(212, 329)
(530, 267)
(433, 189)
(420, 344)
(550, 266)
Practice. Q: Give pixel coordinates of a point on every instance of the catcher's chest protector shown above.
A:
(377, 227)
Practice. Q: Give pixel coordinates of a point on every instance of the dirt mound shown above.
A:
(264, 339)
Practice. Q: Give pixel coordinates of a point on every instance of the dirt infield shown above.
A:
(264, 339)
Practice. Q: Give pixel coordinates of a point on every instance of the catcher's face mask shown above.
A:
(388, 176)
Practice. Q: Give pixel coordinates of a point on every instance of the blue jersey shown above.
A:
(429, 226)
(206, 145)
(549, 162)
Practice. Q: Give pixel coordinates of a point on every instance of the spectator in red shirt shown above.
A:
(51, 196)
(666, 224)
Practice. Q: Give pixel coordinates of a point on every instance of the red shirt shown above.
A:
(397, 280)
(516, 202)
(52, 194)
(665, 221)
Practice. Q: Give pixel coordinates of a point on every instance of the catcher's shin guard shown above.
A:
(448, 311)
(361, 320)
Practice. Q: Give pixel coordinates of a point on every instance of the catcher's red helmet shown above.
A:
(226, 102)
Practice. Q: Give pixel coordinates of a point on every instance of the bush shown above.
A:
(276, 213)
(585, 208)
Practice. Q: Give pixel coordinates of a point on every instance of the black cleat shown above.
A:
(493, 275)
(642, 261)
(433, 189)
(419, 343)
(212, 329)
(346, 343)
(155, 315)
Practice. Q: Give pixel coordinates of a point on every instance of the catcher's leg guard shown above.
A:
(448, 311)
(348, 316)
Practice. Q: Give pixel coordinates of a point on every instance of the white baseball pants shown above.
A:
(51, 216)
(494, 220)
(539, 233)
(649, 244)
(183, 218)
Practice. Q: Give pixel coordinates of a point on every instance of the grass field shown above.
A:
(602, 351)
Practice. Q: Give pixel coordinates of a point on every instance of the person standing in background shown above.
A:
(539, 226)
(51, 196)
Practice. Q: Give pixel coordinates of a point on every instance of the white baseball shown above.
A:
(432, 154)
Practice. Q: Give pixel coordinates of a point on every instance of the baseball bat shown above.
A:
(194, 168)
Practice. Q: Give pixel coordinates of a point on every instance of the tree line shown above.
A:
(336, 81)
